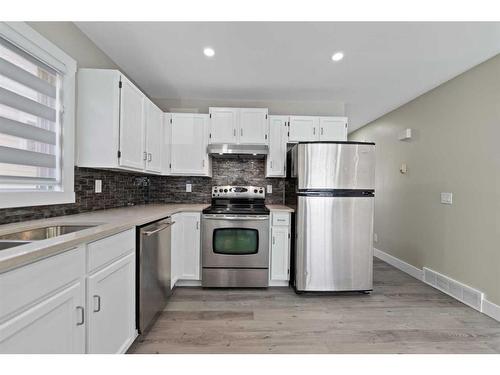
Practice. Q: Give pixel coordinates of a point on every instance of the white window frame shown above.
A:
(26, 38)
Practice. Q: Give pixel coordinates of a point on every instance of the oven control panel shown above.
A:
(230, 191)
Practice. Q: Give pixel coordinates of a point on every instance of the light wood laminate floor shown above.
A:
(402, 315)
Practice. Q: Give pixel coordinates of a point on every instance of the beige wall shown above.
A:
(71, 40)
(456, 148)
(276, 107)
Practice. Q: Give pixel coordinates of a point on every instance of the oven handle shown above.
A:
(236, 217)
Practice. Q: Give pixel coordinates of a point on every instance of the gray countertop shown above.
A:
(108, 222)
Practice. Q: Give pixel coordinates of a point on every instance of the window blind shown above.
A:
(30, 122)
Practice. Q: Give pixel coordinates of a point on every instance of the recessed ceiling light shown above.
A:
(337, 56)
(208, 52)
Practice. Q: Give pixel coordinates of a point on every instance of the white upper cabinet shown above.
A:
(316, 128)
(333, 128)
(247, 126)
(153, 141)
(303, 128)
(131, 125)
(117, 126)
(253, 126)
(166, 144)
(223, 125)
(189, 144)
(276, 158)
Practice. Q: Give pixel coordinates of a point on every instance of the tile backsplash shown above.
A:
(120, 189)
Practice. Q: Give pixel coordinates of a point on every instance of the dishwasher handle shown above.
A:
(149, 233)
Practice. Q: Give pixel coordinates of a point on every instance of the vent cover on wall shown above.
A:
(464, 293)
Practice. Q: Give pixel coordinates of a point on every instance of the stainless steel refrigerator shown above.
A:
(334, 188)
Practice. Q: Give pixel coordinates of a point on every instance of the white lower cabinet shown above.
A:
(279, 260)
(54, 326)
(111, 307)
(186, 249)
(58, 305)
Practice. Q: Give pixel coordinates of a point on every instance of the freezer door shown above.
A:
(336, 166)
(334, 249)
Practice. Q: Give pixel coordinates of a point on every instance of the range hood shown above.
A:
(233, 150)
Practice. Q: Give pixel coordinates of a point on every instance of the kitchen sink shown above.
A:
(37, 234)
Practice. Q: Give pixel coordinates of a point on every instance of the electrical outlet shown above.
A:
(269, 189)
(98, 186)
(447, 198)
(189, 188)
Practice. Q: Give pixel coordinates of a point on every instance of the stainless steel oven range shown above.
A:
(235, 238)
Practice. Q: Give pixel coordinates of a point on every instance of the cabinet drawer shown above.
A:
(24, 286)
(281, 219)
(103, 251)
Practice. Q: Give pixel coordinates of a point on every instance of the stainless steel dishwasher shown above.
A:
(153, 268)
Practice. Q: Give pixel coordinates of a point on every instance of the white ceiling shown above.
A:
(385, 64)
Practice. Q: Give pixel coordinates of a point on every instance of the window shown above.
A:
(36, 119)
(236, 241)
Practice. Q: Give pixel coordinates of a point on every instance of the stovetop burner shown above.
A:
(238, 200)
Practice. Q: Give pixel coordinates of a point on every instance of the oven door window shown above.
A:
(235, 241)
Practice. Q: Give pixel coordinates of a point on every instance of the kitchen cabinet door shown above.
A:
(188, 144)
(333, 128)
(131, 126)
(111, 307)
(280, 253)
(191, 251)
(153, 141)
(54, 326)
(276, 158)
(166, 144)
(223, 125)
(186, 250)
(253, 126)
(303, 128)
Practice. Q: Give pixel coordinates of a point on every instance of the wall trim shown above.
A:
(491, 309)
(182, 283)
(399, 264)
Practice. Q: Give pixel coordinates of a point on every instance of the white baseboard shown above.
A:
(188, 283)
(461, 292)
(279, 283)
(399, 264)
(490, 309)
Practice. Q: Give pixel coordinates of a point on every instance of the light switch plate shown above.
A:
(98, 186)
(375, 237)
(447, 198)
(189, 188)
(269, 189)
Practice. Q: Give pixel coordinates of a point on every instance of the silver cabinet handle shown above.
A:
(197, 225)
(234, 132)
(159, 229)
(145, 156)
(241, 132)
(207, 217)
(321, 131)
(98, 300)
(203, 163)
(82, 316)
(150, 156)
(271, 164)
(274, 241)
(314, 131)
